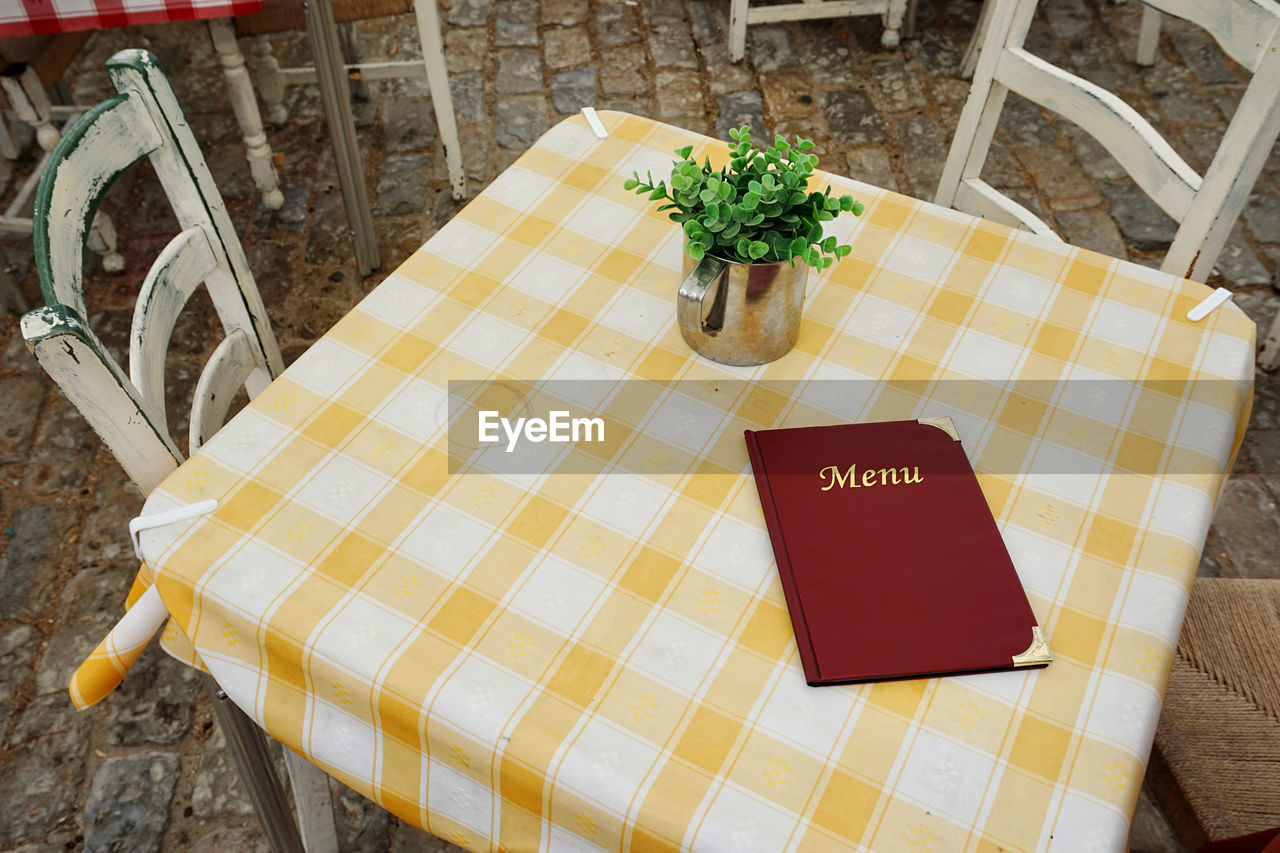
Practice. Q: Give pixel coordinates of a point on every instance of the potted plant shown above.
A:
(745, 227)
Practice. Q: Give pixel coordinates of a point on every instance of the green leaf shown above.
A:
(658, 192)
(757, 250)
(630, 184)
(846, 202)
(707, 196)
(829, 244)
(780, 142)
(725, 190)
(683, 153)
(842, 251)
(696, 250)
(797, 246)
(858, 208)
(750, 201)
(742, 247)
(804, 144)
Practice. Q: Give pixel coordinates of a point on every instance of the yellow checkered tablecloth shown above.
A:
(604, 661)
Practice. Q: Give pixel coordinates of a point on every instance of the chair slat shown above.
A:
(181, 267)
(224, 373)
(1130, 138)
(73, 357)
(981, 198)
(1242, 28)
(110, 138)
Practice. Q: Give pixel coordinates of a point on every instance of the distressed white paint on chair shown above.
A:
(741, 15)
(128, 412)
(1206, 207)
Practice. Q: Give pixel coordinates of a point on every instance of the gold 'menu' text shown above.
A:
(851, 479)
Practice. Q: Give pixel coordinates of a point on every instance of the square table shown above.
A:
(596, 654)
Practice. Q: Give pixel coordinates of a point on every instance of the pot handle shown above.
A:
(693, 291)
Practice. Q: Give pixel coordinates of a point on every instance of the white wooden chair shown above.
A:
(279, 15)
(128, 410)
(1205, 207)
(741, 14)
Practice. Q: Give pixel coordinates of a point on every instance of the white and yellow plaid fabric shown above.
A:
(604, 661)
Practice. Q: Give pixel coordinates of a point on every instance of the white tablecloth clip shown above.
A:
(181, 513)
(1213, 300)
(597, 127)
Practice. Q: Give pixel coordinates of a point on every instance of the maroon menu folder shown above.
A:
(891, 562)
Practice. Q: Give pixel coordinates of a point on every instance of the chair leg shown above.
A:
(737, 30)
(969, 63)
(8, 145)
(438, 83)
(245, 106)
(266, 71)
(893, 16)
(314, 802)
(248, 746)
(1148, 36)
(349, 40)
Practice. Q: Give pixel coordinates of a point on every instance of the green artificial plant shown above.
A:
(755, 210)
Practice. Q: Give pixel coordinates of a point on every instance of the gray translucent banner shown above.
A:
(695, 427)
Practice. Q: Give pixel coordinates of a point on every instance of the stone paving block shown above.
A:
(128, 805)
(1200, 53)
(853, 119)
(872, 166)
(677, 93)
(1023, 124)
(408, 123)
(105, 536)
(17, 651)
(361, 825)
(45, 768)
(19, 407)
(30, 554)
(1096, 161)
(218, 791)
(1068, 19)
(769, 47)
(1002, 170)
(573, 90)
(920, 138)
(1058, 177)
(742, 108)
(897, 88)
(1175, 92)
(617, 23)
(467, 92)
(923, 177)
(1091, 228)
(465, 50)
(91, 603)
(813, 128)
(671, 43)
(788, 92)
(517, 23)
(222, 840)
(1249, 523)
(1262, 214)
(1238, 264)
(824, 51)
(16, 357)
(564, 13)
(654, 9)
(624, 70)
(469, 13)
(1142, 223)
(519, 71)
(520, 120)
(155, 704)
(402, 185)
(566, 48)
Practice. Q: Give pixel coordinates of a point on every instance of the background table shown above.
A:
(589, 661)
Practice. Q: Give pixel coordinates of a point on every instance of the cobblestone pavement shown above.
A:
(145, 769)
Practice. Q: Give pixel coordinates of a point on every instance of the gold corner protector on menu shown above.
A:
(1037, 653)
(943, 423)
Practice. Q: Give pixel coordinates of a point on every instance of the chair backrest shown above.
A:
(128, 411)
(1206, 207)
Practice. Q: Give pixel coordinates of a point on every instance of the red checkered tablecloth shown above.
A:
(38, 17)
